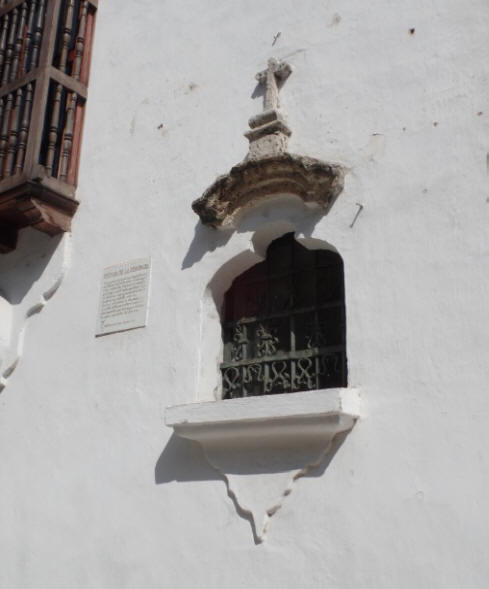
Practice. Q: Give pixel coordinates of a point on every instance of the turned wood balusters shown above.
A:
(20, 39)
(44, 66)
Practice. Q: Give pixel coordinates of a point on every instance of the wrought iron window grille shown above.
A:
(284, 323)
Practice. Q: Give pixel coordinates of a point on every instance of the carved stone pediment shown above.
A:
(252, 180)
(269, 170)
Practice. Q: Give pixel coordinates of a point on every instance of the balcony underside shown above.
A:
(46, 205)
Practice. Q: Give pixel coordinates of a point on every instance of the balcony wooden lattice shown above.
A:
(45, 50)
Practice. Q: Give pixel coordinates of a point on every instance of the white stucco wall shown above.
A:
(95, 491)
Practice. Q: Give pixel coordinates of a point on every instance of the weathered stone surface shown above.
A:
(268, 169)
(269, 133)
(252, 180)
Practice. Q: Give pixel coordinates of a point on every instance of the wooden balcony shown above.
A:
(45, 50)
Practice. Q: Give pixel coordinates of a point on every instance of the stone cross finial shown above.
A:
(276, 71)
(268, 131)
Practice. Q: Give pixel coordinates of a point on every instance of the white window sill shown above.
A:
(303, 416)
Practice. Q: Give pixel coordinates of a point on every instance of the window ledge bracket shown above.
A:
(260, 446)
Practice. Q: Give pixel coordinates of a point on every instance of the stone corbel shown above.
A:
(253, 180)
(262, 445)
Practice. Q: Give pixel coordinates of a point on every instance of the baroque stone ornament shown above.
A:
(269, 170)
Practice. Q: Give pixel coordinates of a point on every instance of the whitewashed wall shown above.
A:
(94, 493)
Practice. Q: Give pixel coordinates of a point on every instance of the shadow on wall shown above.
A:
(285, 208)
(206, 239)
(20, 269)
(28, 279)
(184, 461)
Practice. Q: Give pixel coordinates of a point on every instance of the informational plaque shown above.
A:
(124, 296)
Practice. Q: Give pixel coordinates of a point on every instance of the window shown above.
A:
(44, 65)
(284, 323)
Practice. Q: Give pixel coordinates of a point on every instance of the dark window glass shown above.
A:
(284, 323)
